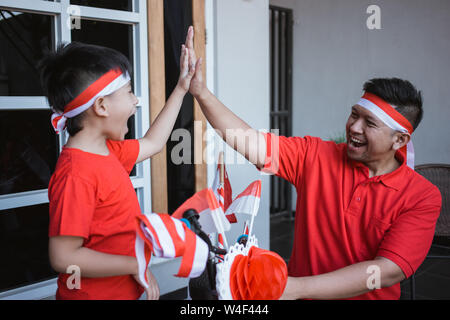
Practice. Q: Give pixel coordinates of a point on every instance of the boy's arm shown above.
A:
(156, 137)
(65, 251)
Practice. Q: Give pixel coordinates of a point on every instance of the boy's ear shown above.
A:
(100, 107)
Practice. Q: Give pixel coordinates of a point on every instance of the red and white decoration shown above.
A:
(247, 202)
(222, 189)
(167, 237)
(211, 216)
(251, 273)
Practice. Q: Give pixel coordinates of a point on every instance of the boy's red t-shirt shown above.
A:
(91, 196)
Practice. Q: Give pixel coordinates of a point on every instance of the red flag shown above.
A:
(248, 201)
(212, 218)
(223, 192)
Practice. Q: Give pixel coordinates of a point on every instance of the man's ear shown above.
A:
(400, 140)
(100, 107)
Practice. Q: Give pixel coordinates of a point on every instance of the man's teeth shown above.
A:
(356, 140)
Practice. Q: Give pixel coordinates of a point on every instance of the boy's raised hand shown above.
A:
(197, 84)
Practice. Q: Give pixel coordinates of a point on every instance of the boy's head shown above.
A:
(68, 72)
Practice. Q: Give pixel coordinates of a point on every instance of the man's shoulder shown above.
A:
(419, 182)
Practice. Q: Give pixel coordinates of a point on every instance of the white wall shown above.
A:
(335, 53)
(238, 73)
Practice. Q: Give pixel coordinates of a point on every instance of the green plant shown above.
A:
(339, 138)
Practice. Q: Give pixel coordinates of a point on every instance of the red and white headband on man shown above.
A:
(392, 118)
(107, 84)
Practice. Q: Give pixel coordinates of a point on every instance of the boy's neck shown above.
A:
(92, 142)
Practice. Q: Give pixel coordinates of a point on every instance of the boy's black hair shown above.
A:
(69, 70)
(399, 93)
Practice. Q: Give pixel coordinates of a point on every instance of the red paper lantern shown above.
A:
(260, 275)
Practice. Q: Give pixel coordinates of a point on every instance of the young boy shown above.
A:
(93, 205)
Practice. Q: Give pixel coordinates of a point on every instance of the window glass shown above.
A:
(112, 35)
(24, 37)
(28, 150)
(24, 246)
(105, 4)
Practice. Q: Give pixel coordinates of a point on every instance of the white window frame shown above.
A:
(59, 9)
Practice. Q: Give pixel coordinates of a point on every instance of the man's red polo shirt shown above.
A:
(344, 217)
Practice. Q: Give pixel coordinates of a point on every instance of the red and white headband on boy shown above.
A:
(103, 86)
(392, 118)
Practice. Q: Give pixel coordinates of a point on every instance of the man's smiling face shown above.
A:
(368, 138)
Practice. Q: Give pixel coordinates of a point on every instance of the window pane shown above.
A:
(105, 4)
(112, 35)
(24, 246)
(23, 38)
(28, 150)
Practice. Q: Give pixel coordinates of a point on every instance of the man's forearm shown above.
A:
(347, 282)
(236, 132)
(220, 117)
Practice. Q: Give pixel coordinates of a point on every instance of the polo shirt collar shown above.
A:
(395, 179)
(392, 179)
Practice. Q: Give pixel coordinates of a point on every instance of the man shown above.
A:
(364, 219)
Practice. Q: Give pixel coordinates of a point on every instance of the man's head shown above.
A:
(66, 73)
(369, 137)
(400, 94)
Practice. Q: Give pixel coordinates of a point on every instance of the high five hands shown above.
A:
(191, 73)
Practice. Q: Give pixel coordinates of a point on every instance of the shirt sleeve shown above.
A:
(126, 151)
(286, 156)
(409, 238)
(72, 205)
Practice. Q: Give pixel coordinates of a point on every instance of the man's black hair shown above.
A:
(399, 93)
(69, 70)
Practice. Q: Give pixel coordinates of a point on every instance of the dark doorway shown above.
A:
(180, 177)
(281, 47)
